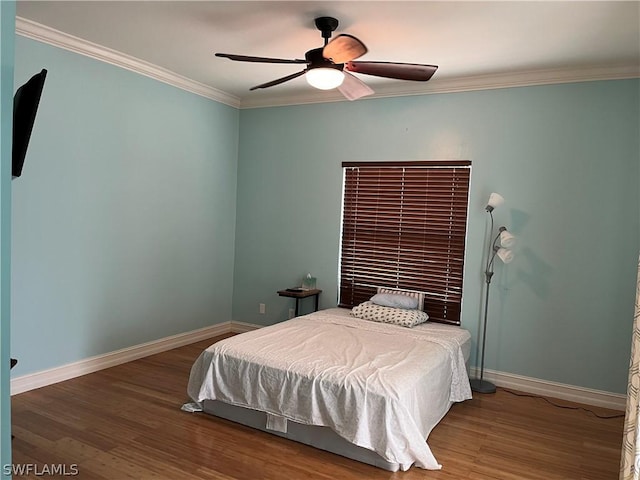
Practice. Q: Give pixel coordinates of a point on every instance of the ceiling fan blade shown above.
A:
(344, 48)
(400, 71)
(353, 88)
(245, 58)
(279, 80)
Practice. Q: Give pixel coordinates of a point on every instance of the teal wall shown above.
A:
(566, 159)
(7, 29)
(124, 217)
(146, 211)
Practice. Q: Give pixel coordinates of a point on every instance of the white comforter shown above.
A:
(382, 387)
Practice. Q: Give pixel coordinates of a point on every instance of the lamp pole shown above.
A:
(481, 385)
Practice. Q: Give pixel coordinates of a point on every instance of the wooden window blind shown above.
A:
(404, 226)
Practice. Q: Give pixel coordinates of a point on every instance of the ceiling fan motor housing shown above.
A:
(327, 26)
(316, 60)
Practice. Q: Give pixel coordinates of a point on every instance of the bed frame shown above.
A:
(316, 436)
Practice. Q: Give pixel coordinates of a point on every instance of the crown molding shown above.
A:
(460, 84)
(42, 33)
(48, 35)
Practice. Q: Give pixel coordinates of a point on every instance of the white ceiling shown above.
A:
(467, 40)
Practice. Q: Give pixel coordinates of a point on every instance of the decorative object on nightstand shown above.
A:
(309, 282)
(501, 251)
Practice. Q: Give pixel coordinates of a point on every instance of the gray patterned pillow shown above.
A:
(396, 316)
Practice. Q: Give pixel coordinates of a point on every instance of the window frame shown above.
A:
(443, 292)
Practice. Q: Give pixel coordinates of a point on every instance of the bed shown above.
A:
(366, 390)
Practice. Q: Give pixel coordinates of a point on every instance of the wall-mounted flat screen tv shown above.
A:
(25, 107)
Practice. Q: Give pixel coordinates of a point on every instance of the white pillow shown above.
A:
(409, 293)
(396, 316)
(395, 300)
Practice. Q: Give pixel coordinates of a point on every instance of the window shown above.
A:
(404, 226)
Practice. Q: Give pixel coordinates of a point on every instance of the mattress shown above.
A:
(380, 387)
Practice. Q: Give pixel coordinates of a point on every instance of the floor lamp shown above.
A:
(501, 251)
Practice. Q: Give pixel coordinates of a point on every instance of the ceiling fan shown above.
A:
(329, 67)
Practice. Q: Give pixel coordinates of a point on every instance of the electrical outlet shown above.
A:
(263, 308)
(292, 313)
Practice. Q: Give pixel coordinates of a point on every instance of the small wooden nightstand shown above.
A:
(298, 294)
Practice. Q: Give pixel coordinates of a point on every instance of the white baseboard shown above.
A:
(597, 398)
(43, 378)
(242, 327)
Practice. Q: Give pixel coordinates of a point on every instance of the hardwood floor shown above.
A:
(125, 423)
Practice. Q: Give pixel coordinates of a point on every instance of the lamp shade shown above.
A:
(505, 255)
(506, 238)
(495, 200)
(324, 78)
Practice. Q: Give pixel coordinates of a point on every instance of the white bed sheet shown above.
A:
(379, 386)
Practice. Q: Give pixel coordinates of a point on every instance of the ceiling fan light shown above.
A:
(324, 78)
